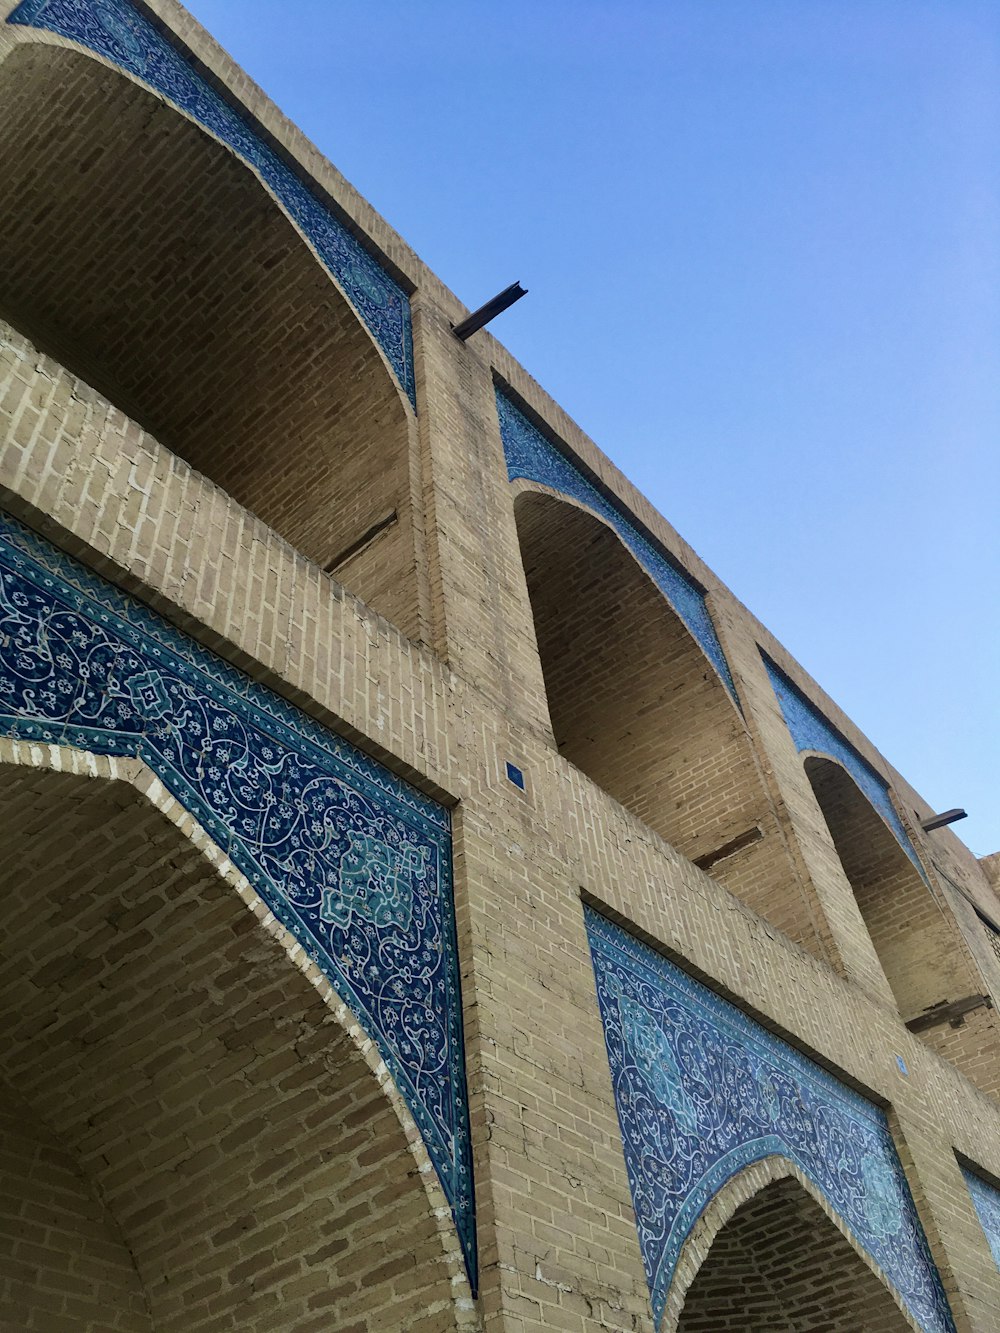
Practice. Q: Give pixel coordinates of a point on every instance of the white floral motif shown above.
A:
(376, 881)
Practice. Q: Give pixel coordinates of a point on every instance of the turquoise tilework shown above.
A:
(702, 1091)
(353, 861)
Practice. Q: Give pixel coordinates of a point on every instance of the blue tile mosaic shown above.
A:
(352, 860)
(531, 456)
(987, 1202)
(702, 1091)
(811, 731)
(117, 31)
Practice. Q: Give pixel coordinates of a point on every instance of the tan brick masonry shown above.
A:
(243, 1148)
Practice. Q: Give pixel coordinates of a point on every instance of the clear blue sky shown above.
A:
(762, 242)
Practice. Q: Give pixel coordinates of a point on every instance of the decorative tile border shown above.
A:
(531, 456)
(117, 31)
(702, 1091)
(354, 862)
(987, 1202)
(810, 731)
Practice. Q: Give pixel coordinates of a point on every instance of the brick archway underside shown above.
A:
(779, 1265)
(636, 705)
(918, 943)
(147, 259)
(215, 1152)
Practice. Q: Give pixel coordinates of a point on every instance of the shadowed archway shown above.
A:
(917, 940)
(149, 260)
(778, 1264)
(636, 704)
(230, 1144)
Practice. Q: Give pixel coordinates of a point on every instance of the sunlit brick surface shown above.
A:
(190, 406)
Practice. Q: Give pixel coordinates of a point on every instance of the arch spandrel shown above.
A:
(199, 1073)
(350, 861)
(703, 1092)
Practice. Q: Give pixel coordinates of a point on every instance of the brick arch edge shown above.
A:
(738, 1190)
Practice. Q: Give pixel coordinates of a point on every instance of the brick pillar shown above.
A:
(957, 1241)
(480, 609)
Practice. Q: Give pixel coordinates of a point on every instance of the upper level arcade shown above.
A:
(188, 283)
(643, 697)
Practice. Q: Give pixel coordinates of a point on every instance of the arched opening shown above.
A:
(636, 705)
(146, 258)
(780, 1265)
(917, 941)
(166, 1058)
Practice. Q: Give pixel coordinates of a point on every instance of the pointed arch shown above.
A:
(769, 1254)
(153, 262)
(637, 704)
(917, 940)
(249, 1146)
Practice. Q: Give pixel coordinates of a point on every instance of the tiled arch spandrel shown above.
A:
(702, 1092)
(353, 862)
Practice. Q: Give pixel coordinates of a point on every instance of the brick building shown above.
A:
(432, 901)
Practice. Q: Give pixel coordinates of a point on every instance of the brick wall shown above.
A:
(282, 1242)
(64, 1265)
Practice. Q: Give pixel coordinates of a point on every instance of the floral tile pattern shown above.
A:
(117, 31)
(987, 1202)
(703, 1091)
(530, 455)
(351, 859)
(811, 731)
